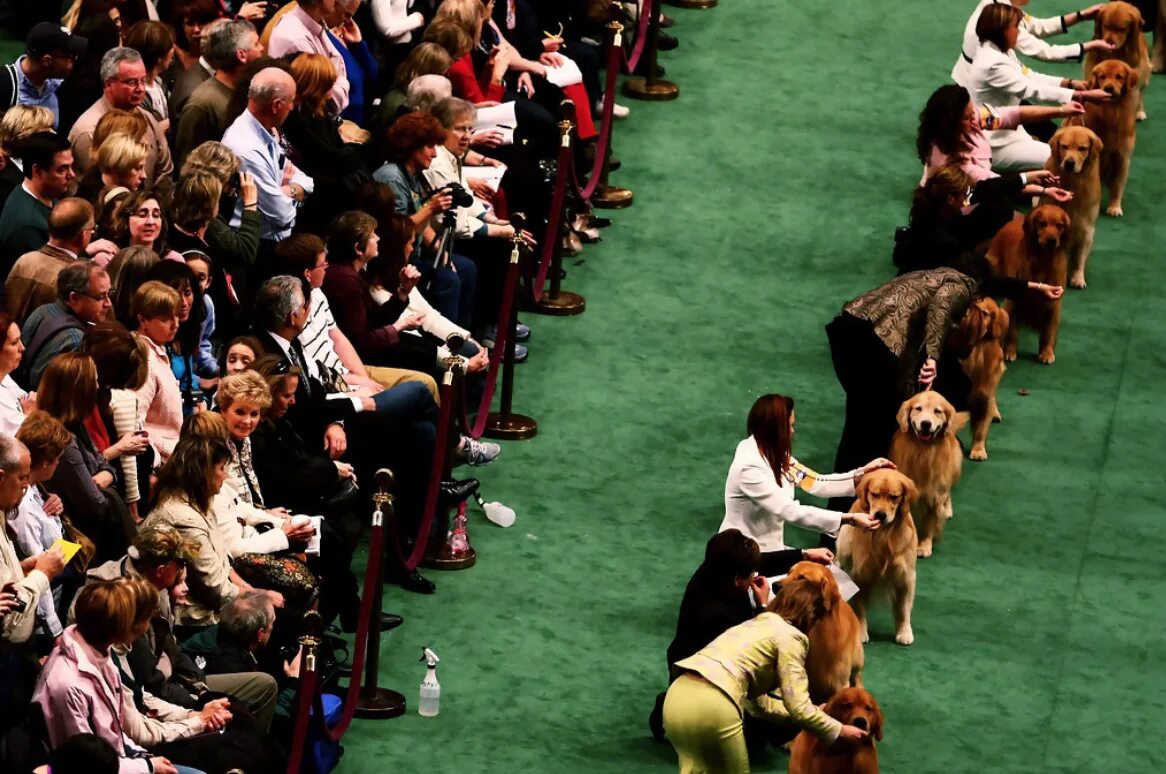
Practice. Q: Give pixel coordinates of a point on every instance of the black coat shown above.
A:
(708, 609)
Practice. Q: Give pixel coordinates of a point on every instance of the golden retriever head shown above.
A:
(885, 494)
(1118, 23)
(985, 320)
(928, 416)
(1073, 148)
(1114, 77)
(1046, 227)
(820, 575)
(856, 707)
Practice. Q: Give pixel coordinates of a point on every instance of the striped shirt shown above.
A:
(315, 337)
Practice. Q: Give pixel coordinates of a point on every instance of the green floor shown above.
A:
(765, 197)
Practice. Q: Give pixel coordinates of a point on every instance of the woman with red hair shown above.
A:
(759, 493)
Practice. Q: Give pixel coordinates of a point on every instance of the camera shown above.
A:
(460, 196)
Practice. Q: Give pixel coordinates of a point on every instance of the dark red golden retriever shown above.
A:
(854, 707)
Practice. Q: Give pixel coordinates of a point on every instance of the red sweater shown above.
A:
(467, 85)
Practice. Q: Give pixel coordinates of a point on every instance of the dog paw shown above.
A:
(1077, 281)
(905, 636)
(996, 418)
(924, 549)
(1141, 115)
(1114, 211)
(979, 454)
(1048, 358)
(1010, 355)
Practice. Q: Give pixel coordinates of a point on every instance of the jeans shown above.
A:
(450, 291)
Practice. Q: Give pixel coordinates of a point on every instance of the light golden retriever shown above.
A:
(1034, 249)
(1120, 24)
(836, 654)
(978, 339)
(854, 707)
(926, 450)
(1113, 123)
(1076, 158)
(883, 560)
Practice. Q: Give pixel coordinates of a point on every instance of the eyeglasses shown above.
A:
(133, 83)
(100, 297)
(324, 265)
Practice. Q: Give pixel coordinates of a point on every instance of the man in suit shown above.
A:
(351, 423)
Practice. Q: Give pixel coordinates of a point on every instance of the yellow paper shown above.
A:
(69, 549)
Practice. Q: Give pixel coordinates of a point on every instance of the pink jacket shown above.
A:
(80, 691)
(977, 160)
(298, 33)
(160, 402)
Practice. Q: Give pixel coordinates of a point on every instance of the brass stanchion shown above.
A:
(456, 553)
(375, 702)
(505, 424)
(651, 87)
(693, 3)
(611, 197)
(559, 302)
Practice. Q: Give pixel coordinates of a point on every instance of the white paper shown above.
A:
(499, 117)
(314, 544)
(491, 176)
(846, 587)
(566, 74)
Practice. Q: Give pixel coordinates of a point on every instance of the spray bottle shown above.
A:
(430, 700)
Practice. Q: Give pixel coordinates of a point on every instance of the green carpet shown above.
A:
(766, 196)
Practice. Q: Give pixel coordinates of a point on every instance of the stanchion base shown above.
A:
(660, 91)
(513, 427)
(613, 198)
(692, 3)
(565, 304)
(382, 705)
(447, 561)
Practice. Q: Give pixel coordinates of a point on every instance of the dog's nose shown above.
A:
(925, 426)
(1109, 88)
(881, 516)
(859, 722)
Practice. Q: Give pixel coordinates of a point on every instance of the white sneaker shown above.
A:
(618, 111)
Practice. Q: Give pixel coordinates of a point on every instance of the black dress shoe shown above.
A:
(454, 492)
(666, 21)
(416, 583)
(613, 164)
(595, 221)
(390, 621)
(666, 42)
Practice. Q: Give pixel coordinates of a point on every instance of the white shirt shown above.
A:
(316, 338)
(757, 506)
(11, 411)
(314, 372)
(1028, 42)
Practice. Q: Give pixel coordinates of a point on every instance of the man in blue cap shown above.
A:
(50, 53)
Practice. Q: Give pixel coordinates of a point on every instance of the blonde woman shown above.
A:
(155, 307)
(121, 162)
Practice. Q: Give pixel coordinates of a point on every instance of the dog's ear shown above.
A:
(1093, 78)
(879, 720)
(860, 494)
(1131, 78)
(1138, 20)
(909, 489)
(1054, 162)
(901, 417)
(999, 322)
(1095, 144)
(958, 421)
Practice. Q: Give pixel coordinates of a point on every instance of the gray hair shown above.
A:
(205, 39)
(426, 90)
(74, 278)
(10, 451)
(224, 41)
(111, 62)
(279, 298)
(269, 84)
(450, 109)
(245, 616)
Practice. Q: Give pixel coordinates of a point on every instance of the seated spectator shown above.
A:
(205, 364)
(82, 754)
(428, 58)
(32, 283)
(17, 123)
(159, 556)
(253, 138)
(230, 46)
(240, 353)
(83, 687)
(131, 123)
(127, 271)
(118, 430)
(306, 255)
(85, 480)
(155, 42)
(82, 301)
(156, 306)
(140, 221)
(360, 66)
(183, 350)
(397, 22)
(302, 31)
(15, 401)
(47, 162)
(50, 51)
(124, 77)
(37, 522)
(239, 643)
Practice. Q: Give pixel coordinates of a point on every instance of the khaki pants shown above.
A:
(705, 727)
(391, 377)
(258, 689)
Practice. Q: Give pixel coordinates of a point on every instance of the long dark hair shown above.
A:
(768, 423)
(188, 474)
(940, 122)
(177, 274)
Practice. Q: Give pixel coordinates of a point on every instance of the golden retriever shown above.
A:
(836, 654)
(1076, 158)
(978, 341)
(926, 450)
(854, 707)
(885, 558)
(1120, 24)
(1034, 249)
(1113, 123)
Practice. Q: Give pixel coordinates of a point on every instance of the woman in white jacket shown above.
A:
(759, 492)
(998, 79)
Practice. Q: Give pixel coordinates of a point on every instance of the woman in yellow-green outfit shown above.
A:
(736, 673)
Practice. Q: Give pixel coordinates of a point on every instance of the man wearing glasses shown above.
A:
(124, 76)
(82, 301)
(33, 79)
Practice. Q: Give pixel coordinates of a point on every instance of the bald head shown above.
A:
(271, 96)
(70, 222)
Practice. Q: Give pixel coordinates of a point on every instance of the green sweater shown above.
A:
(24, 227)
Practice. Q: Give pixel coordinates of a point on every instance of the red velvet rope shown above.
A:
(309, 687)
(496, 355)
(645, 18)
(602, 149)
(556, 214)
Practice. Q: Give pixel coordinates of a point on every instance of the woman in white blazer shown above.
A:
(759, 492)
(1028, 42)
(998, 79)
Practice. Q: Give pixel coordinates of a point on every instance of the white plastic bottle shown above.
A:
(430, 700)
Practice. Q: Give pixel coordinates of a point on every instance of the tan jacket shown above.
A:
(159, 164)
(33, 281)
(209, 576)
